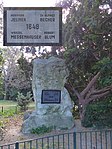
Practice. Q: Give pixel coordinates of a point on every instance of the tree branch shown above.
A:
(77, 94)
(91, 83)
(108, 88)
(87, 101)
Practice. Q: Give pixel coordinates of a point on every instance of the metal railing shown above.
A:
(72, 140)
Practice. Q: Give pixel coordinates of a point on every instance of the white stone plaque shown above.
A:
(32, 26)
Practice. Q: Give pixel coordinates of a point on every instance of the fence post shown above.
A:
(74, 139)
(2, 109)
(16, 110)
(17, 145)
(111, 139)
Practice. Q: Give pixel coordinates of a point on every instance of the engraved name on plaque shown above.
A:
(51, 97)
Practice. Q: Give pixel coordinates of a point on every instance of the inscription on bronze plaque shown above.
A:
(51, 97)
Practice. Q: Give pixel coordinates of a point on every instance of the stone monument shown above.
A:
(53, 103)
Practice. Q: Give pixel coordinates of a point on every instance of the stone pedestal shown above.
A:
(50, 74)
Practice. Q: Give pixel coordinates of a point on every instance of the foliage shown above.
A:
(1, 75)
(98, 114)
(87, 36)
(105, 66)
(41, 130)
(17, 73)
(26, 67)
(2, 92)
(29, 50)
(10, 70)
(24, 100)
(12, 93)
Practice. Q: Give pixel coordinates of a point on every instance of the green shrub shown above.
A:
(99, 114)
(23, 101)
(42, 129)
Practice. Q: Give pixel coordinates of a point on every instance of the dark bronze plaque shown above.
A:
(51, 97)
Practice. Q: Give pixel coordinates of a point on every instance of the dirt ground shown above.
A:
(13, 130)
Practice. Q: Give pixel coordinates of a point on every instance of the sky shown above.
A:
(29, 3)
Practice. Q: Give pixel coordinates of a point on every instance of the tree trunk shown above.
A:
(89, 94)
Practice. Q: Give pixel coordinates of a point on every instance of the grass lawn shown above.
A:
(6, 105)
(9, 109)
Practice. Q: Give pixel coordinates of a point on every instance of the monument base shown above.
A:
(53, 102)
(56, 121)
